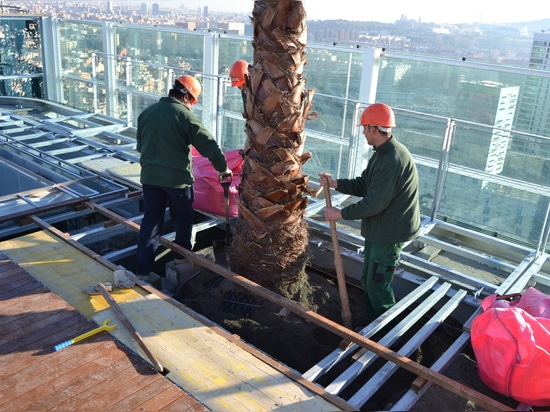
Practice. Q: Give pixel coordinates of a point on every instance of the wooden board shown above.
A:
(64, 270)
(94, 374)
(217, 372)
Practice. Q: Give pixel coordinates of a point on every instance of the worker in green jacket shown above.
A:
(166, 132)
(389, 209)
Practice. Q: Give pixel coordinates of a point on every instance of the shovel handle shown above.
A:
(225, 186)
(133, 332)
(340, 274)
(226, 179)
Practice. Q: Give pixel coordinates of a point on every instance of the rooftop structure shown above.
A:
(73, 90)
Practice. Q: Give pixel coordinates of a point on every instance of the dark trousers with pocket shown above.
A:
(378, 272)
(155, 201)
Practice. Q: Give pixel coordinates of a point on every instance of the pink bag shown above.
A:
(511, 342)
(209, 196)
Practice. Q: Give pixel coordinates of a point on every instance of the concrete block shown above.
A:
(429, 253)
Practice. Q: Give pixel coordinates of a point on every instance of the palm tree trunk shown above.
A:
(270, 241)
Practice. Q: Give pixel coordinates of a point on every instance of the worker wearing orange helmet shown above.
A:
(166, 132)
(388, 207)
(239, 78)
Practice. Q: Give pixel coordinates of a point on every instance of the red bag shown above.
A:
(511, 342)
(209, 196)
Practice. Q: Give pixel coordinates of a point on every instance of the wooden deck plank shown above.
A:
(29, 298)
(170, 397)
(19, 327)
(62, 269)
(130, 389)
(219, 373)
(140, 397)
(45, 331)
(10, 274)
(104, 393)
(30, 380)
(18, 291)
(179, 406)
(22, 357)
(209, 366)
(94, 374)
(79, 369)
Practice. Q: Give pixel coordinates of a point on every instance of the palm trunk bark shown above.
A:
(270, 241)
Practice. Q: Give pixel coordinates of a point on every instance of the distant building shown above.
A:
(144, 9)
(491, 104)
(540, 52)
(534, 113)
(232, 27)
(189, 25)
(156, 9)
(205, 11)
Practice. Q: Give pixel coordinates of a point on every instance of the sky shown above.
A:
(462, 11)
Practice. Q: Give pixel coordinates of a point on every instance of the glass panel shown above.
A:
(423, 135)
(533, 115)
(20, 56)
(451, 89)
(232, 99)
(498, 183)
(334, 116)
(140, 103)
(80, 95)
(231, 50)
(121, 108)
(77, 42)
(328, 156)
(160, 48)
(148, 78)
(233, 135)
(22, 87)
(334, 72)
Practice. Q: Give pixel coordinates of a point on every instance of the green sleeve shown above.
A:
(205, 143)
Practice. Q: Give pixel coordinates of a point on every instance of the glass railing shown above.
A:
(475, 130)
(21, 60)
(469, 91)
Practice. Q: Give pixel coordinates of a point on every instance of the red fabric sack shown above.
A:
(209, 196)
(511, 342)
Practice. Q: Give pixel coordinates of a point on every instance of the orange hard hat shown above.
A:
(190, 84)
(237, 73)
(378, 114)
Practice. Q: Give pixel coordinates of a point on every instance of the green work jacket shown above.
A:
(165, 133)
(388, 188)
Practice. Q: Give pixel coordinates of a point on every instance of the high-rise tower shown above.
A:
(533, 115)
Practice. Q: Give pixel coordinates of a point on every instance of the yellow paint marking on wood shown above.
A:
(118, 294)
(217, 372)
(63, 269)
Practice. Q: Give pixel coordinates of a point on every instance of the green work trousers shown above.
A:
(378, 271)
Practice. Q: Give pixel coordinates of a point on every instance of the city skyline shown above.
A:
(470, 11)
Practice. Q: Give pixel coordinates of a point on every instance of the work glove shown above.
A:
(122, 280)
(225, 174)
